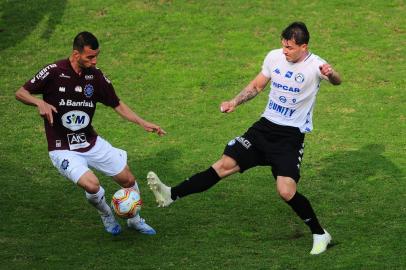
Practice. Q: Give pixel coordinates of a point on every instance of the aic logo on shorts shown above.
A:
(75, 120)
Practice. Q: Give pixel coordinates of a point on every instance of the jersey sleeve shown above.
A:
(266, 66)
(107, 95)
(37, 85)
(320, 61)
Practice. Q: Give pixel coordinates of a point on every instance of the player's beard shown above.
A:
(83, 67)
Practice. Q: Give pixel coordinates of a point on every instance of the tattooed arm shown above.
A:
(249, 92)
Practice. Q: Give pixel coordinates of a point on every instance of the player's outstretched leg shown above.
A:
(161, 191)
(137, 223)
(320, 242)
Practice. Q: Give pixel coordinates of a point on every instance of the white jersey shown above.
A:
(294, 87)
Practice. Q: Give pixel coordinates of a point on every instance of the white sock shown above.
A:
(99, 202)
(135, 219)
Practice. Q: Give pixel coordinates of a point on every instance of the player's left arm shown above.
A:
(330, 74)
(249, 92)
(124, 111)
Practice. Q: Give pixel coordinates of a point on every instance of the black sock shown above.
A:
(304, 210)
(197, 183)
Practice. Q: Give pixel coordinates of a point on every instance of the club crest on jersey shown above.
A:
(89, 90)
(299, 78)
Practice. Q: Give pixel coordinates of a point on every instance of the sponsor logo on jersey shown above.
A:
(33, 80)
(282, 99)
(44, 72)
(285, 87)
(299, 78)
(78, 89)
(71, 103)
(62, 75)
(88, 77)
(58, 143)
(77, 141)
(280, 109)
(89, 90)
(75, 120)
(62, 89)
(289, 74)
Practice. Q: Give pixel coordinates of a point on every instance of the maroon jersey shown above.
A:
(75, 97)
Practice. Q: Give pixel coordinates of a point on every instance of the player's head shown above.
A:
(294, 39)
(85, 49)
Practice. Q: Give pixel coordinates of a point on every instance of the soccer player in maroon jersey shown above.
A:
(70, 90)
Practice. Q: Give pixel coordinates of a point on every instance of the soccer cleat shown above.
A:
(161, 192)
(320, 242)
(140, 225)
(110, 224)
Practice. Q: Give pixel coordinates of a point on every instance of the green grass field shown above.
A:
(173, 62)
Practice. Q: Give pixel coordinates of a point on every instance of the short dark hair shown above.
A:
(298, 32)
(85, 39)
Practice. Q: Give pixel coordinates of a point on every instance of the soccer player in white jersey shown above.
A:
(276, 139)
(70, 90)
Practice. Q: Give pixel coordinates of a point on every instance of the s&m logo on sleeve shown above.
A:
(75, 120)
(88, 90)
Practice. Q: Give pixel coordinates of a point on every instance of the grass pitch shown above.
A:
(173, 62)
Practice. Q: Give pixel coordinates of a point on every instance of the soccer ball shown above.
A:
(126, 202)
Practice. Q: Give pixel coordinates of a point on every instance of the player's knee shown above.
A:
(129, 181)
(89, 182)
(92, 187)
(286, 187)
(286, 194)
(125, 178)
(225, 167)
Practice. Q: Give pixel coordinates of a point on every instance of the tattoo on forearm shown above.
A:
(245, 95)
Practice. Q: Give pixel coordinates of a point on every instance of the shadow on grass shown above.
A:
(165, 163)
(366, 163)
(20, 17)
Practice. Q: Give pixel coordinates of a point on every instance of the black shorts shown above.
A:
(269, 144)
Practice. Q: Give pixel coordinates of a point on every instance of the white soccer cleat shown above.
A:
(320, 242)
(161, 192)
(137, 223)
(110, 224)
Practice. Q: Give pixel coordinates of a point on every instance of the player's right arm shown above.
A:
(248, 93)
(45, 109)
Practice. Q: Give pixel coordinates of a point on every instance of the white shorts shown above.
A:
(102, 157)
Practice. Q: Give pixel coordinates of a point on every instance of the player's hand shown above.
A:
(227, 106)
(46, 110)
(326, 70)
(151, 127)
